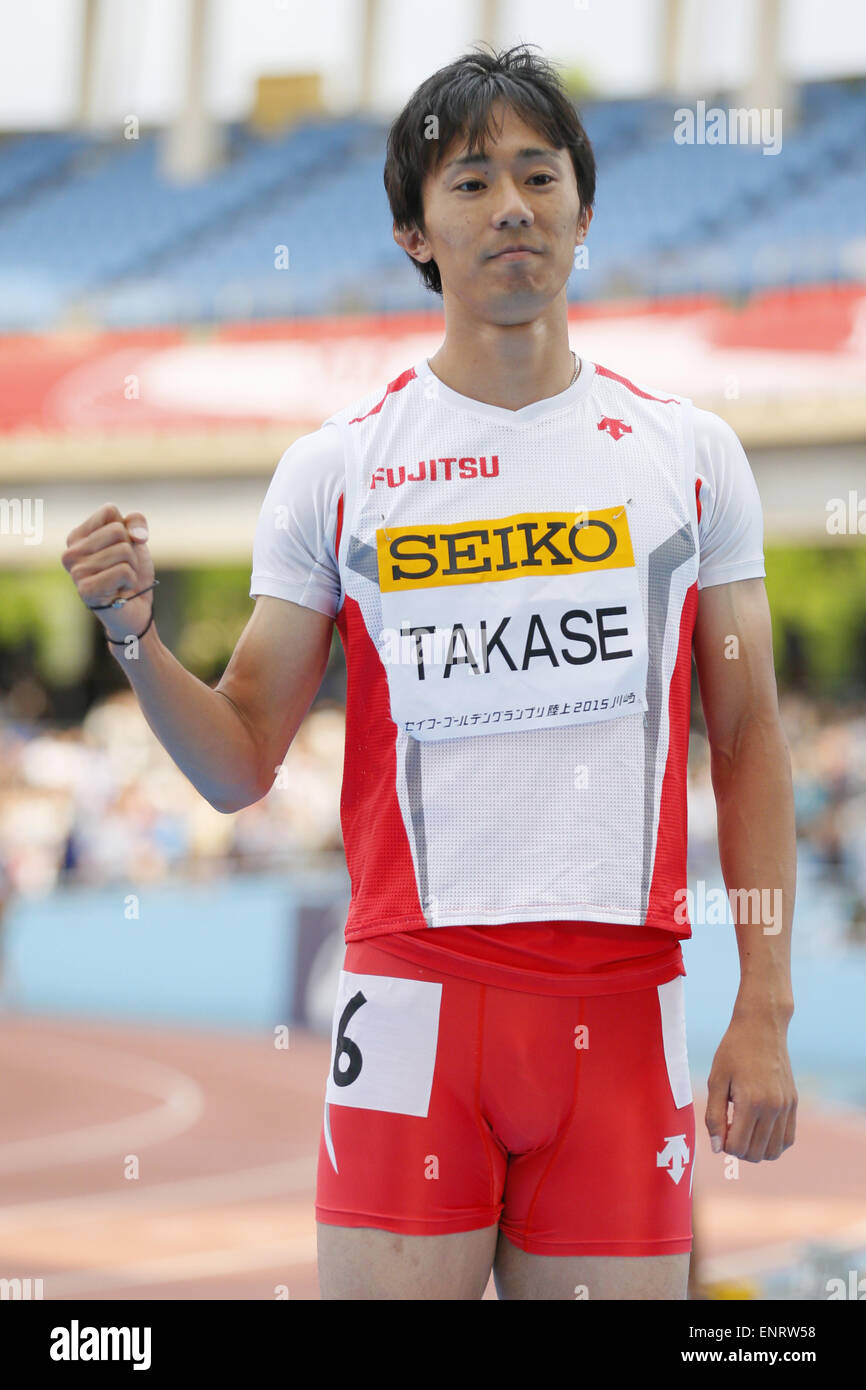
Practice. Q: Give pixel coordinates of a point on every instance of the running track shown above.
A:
(225, 1129)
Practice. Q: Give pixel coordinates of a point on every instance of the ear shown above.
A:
(583, 224)
(414, 242)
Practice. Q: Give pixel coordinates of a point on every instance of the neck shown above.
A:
(507, 365)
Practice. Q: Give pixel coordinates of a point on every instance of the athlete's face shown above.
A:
(517, 191)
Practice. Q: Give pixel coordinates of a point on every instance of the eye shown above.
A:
(478, 183)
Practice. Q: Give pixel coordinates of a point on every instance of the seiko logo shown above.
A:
(438, 471)
(489, 549)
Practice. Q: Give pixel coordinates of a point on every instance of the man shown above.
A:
(519, 548)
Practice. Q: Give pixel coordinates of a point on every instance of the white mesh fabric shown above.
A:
(534, 824)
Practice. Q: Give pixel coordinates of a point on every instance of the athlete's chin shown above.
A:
(526, 291)
(518, 306)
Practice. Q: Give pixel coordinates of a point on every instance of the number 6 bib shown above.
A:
(383, 1043)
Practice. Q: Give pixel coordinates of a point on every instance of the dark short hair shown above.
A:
(461, 96)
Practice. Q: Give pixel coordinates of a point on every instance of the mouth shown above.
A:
(519, 253)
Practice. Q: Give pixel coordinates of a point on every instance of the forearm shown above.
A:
(199, 728)
(758, 856)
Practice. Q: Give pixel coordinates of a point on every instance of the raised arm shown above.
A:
(228, 740)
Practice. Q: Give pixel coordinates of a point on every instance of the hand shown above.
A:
(752, 1069)
(106, 561)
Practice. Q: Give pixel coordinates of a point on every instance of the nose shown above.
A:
(512, 208)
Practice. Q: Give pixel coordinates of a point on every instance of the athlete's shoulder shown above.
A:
(377, 404)
(320, 451)
(313, 464)
(617, 387)
(714, 437)
(728, 497)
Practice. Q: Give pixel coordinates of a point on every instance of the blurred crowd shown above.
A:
(828, 761)
(103, 802)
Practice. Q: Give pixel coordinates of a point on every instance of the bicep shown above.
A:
(274, 673)
(733, 647)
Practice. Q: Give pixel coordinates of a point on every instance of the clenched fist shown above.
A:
(108, 558)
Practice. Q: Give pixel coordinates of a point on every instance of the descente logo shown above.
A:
(75, 1343)
(438, 471)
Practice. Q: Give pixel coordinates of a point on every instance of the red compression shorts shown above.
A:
(453, 1105)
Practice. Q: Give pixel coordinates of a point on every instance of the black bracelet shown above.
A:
(119, 602)
(119, 642)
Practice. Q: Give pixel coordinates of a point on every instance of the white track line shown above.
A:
(271, 1180)
(764, 1259)
(182, 1104)
(180, 1268)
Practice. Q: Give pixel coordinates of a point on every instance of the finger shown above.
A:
(110, 534)
(740, 1131)
(776, 1142)
(108, 512)
(791, 1124)
(103, 560)
(762, 1133)
(716, 1112)
(103, 588)
(136, 525)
